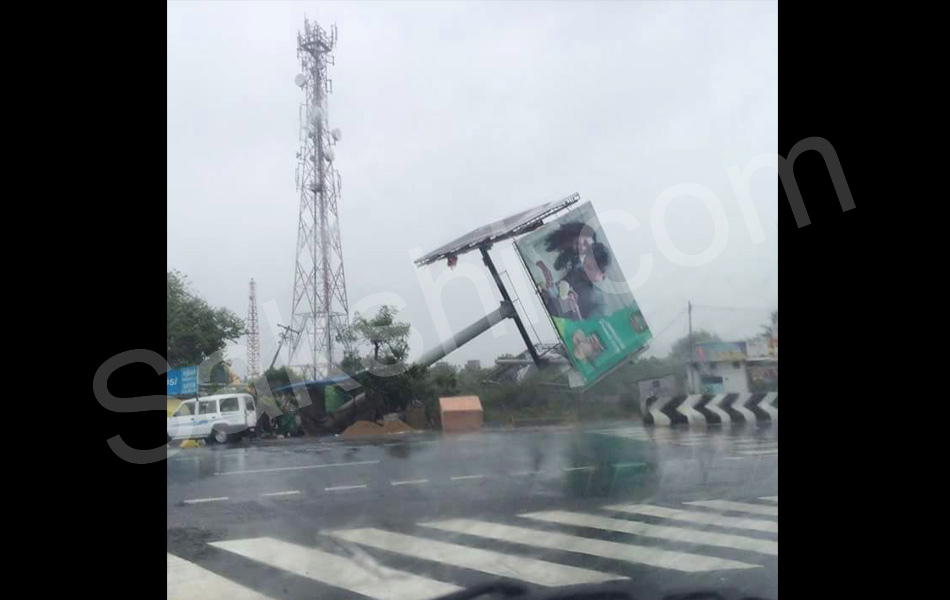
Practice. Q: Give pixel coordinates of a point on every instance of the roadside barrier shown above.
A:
(700, 410)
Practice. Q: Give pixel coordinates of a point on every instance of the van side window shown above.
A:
(185, 410)
(249, 404)
(207, 406)
(230, 405)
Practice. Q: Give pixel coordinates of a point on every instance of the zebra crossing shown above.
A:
(545, 548)
(738, 447)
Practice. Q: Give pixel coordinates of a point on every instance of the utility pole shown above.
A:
(284, 336)
(689, 358)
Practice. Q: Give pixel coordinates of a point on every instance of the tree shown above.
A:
(280, 376)
(772, 325)
(381, 333)
(443, 379)
(681, 349)
(387, 379)
(195, 330)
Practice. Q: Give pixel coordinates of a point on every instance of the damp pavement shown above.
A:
(302, 490)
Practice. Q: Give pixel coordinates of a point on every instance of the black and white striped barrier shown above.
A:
(707, 409)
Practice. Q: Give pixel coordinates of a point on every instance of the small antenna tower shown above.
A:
(253, 335)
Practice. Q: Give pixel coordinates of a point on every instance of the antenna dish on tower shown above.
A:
(300, 80)
(336, 135)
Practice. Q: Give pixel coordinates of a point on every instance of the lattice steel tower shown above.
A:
(253, 335)
(320, 307)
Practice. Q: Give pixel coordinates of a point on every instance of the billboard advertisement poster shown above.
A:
(762, 348)
(757, 348)
(182, 382)
(580, 283)
(763, 378)
(720, 351)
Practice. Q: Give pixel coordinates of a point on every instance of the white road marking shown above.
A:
(695, 517)
(288, 493)
(676, 534)
(535, 571)
(197, 500)
(566, 469)
(409, 482)
(458, 477)
(185, 580)
(771, 511)
(667, 559)
(349, 573)
(769, 498)
(345, 487)
(760, 445)
(758, 452)
(345, 464)
(618, 430)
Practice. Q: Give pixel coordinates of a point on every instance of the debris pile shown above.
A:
(370, 429)
(395, 426)
(362, 429)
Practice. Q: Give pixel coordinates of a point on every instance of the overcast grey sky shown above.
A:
(454, 114)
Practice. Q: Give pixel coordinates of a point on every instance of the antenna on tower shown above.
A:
(320, 310)
(253, 335)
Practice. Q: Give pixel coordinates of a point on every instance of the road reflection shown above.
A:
(602, 465)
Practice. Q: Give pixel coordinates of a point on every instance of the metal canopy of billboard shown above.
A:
(483, 239)
(492, 233)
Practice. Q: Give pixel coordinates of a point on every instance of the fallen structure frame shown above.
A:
(482, 239)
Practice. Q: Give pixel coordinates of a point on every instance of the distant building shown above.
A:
(733, 367)
(473, 364)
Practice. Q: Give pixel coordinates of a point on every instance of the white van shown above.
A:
(220, 418)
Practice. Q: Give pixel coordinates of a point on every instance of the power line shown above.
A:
(737, 308)
(670, 324)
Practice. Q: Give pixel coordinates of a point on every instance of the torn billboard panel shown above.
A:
(583, 289)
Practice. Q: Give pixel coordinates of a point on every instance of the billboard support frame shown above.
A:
(486, 257)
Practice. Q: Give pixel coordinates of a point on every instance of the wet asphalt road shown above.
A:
(297, 490)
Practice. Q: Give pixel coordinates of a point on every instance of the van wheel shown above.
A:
(220, 436)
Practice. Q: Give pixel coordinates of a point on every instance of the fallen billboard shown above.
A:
(584, 291)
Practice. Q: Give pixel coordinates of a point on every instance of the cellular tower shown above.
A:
(320, 310)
